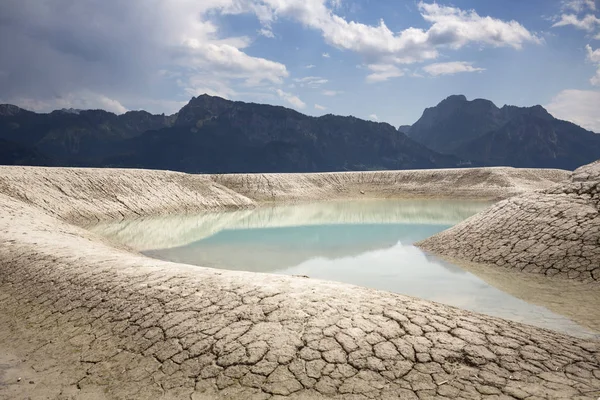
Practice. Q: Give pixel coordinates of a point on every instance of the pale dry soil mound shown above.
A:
(82, 319)
(555, 232)
(82, 195)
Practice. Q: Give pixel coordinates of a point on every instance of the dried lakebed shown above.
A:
(362, 242)
(84, 318)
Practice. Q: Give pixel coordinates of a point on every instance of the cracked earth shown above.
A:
(555, 232)
(82, 319)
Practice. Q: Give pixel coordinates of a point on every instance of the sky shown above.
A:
(384, 60)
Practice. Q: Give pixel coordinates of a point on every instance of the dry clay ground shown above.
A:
(554, 232)
(81, 318)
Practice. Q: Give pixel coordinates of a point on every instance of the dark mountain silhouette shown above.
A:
(479, 131)
(214, 135)
(404, 128)
(12, 153)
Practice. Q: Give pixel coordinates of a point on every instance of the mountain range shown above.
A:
(214, 135)
(524, 137)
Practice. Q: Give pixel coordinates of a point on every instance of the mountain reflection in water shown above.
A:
(367, 243)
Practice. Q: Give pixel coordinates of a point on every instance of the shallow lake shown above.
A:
(367, 243)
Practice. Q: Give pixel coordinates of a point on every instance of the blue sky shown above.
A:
(384, 60)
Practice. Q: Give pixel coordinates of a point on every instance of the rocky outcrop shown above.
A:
(555, 232)
(80, 318)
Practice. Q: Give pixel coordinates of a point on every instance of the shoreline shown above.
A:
(96, 320)
(82, 195)
(553, 232)
(578, 301)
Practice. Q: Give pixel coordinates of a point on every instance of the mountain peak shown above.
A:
(70, 110)
(537, 111)
(456, 121)
(455, 102)
(477, 130)
(455, 98)
(9, 110)
(201, 108)
(203, 98)
(459, 100)
(206, 100)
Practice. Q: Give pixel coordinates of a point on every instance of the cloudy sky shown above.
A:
(380, 59)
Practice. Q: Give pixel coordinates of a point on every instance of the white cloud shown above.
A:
(588, 23)
(450, 68)
(456, 28)
(266, 32)
(320, 107)
(101, 102)
(331, 93)
(450, 27)
(577, 106)
(83, 100)
(578, 5)
(198, 84)
(595, 80)
(374, 117)
(121, 51)
(229, 62)
(290, 98)
(335, 3)
(383, 72)
(218, 90)
(309, 66)
(594, 57)
(311, 81)
(167, 107)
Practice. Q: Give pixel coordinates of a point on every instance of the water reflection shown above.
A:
(367, 243)
(276, 249)
(178, 230)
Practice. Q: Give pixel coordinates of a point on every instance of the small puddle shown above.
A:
(367, 243)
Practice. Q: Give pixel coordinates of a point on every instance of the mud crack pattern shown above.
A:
(93, 320)
(555, 232)
(86, 320)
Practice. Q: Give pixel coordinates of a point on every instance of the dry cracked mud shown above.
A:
(82, 319)
(555, 232)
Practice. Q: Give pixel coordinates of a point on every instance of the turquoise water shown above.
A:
(367, 243)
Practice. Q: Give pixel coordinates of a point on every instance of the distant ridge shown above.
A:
(479, 131)
(214, 135)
